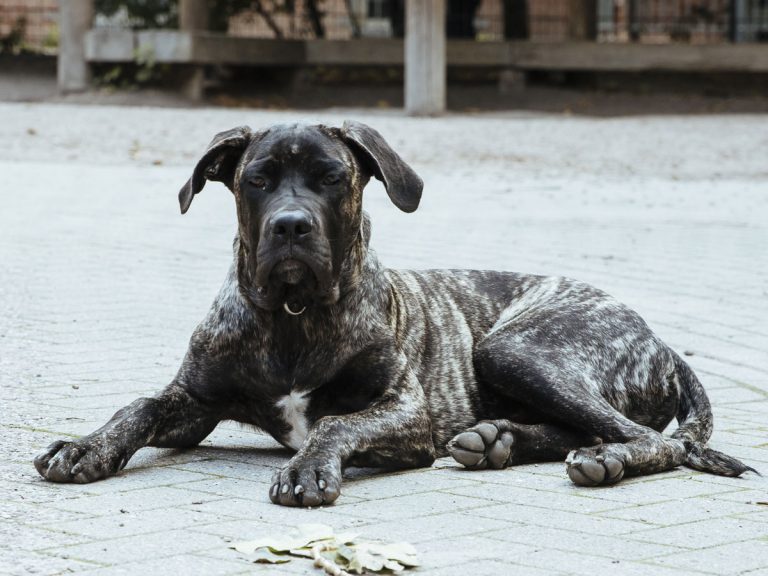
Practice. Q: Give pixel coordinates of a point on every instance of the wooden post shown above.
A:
(425, 57)
(633, 23)
(193, 15)
(582, 19)
(75, 19)
(516, 19)
(736, 21)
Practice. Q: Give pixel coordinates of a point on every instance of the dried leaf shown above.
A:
(394, 566)
(341, 549)
(363, 559)
(274, 543)
(402, 552)
(267, 557)
(303, 552)
(346, 553)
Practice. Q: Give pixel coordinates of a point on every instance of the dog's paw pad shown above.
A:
(482, 446)
(586, 467)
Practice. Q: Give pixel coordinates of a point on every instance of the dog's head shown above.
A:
(298, 191)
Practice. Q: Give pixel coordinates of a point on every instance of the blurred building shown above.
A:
(31, 24)
(28, 25)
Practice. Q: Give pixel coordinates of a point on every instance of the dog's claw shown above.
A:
(306, 482)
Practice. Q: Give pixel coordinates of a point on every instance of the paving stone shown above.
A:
(572, 519)
(682, 511)
(400, 507)
(608, 546)
(488, 568)
(437, 527)
(16, 562)
(143, 547)
(137, 522)
(135, 500)
(583, 562)
(102, 284)
(530, 496)
(701, 534)
(187, 564)
(734, 558)
(457, 551)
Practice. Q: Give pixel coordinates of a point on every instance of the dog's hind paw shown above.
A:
(594, 467)
(482, 446)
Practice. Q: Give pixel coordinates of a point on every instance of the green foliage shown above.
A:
(220, 11)
(13, 42)
(143, 14)
(142, 71)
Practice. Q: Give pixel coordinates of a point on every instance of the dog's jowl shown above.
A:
(349, 363)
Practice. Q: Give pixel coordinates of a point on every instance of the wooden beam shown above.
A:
(425, 57)
(75, 19)
(170, 46)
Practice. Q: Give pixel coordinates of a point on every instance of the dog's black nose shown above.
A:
(291, 224)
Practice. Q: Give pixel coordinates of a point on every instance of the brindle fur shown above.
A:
(391, 368)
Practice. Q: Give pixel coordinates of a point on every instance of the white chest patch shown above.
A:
(293, 407)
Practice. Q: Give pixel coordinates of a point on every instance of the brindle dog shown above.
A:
(351, 364)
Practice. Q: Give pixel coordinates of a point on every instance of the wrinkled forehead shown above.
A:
(297, 144)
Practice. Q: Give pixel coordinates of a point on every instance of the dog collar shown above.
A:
(291, 312)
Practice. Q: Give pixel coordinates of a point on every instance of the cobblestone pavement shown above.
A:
(102, 283)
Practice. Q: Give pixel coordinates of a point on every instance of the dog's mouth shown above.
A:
(293, 281)
(292, 272)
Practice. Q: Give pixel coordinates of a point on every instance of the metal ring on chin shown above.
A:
(291, 312)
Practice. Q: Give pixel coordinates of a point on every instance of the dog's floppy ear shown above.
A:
(402, 184)
(218, 163)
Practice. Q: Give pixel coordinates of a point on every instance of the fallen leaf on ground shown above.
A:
(334, 553)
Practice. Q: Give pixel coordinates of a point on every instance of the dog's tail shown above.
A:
(695, 427)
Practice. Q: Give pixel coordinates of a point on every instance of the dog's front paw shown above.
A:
(306, 481)
(596, 466)
(81, 461)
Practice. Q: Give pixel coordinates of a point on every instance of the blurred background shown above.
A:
(592, 56)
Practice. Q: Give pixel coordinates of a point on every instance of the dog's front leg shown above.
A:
(172, 419)
(394, 431)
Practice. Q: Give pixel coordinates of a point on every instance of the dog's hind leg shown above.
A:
(502, 443)
(557, 387)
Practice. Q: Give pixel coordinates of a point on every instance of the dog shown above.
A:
(352, 364)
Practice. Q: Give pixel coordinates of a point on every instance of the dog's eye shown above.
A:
(258, 182)
(331, 179)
